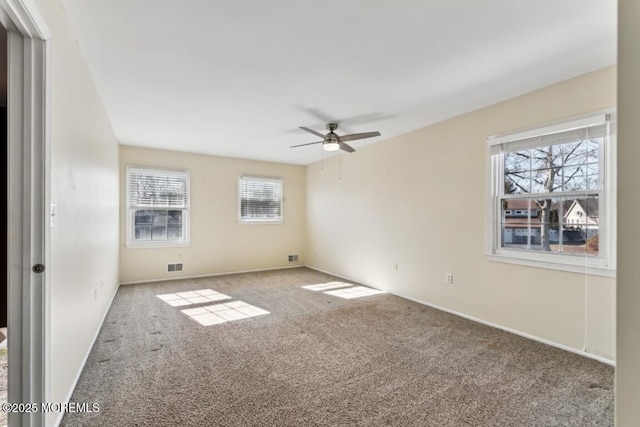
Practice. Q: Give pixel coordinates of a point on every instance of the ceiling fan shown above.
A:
(334, 142)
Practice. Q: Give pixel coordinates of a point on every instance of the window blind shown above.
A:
(158, 189)
(523, 141)
(260, 198)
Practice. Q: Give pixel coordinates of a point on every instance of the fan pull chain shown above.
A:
(340, 180)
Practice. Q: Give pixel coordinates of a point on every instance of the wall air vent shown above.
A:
(172, 268)
(293, 258)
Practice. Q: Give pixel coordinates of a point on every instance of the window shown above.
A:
(259, 200)
(158, 207)
(551, 201)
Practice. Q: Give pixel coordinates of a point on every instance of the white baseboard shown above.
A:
(86, 357)
(484, 322)
(199, 276)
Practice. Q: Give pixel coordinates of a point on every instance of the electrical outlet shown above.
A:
(449, 278)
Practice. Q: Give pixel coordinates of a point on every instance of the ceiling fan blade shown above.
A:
(312, 131)
(355, 136)
(310, 143)
(346, 147)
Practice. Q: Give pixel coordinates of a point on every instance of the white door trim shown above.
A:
(28, 177)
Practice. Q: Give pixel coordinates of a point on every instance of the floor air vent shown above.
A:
(172, 268)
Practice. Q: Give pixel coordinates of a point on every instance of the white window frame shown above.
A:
(602, 265)
(243, 220)
(130, 211)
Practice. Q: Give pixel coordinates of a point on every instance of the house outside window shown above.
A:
(552, 194)
(157, 207)
(260, 200)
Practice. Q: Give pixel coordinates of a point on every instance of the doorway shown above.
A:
(26, 192)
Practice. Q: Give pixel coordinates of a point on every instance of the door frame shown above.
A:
(28, 198)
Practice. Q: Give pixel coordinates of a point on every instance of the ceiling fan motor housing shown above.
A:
(331, 137)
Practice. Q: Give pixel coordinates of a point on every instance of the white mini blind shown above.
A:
(158, 189)
(523, 141)
(260, 199)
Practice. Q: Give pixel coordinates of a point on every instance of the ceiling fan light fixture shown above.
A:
(331, 146)
(333, 142)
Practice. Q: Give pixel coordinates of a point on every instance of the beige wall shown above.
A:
(628, 362)
(418, 200)
(219, 244)
(82, 272)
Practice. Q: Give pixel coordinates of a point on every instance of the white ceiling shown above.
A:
(237, 78)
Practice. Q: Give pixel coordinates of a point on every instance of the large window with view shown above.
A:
(158, 207)
(259, 200)
(551, 194)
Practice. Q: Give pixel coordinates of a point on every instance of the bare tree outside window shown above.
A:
(545, 181)
(552, 195)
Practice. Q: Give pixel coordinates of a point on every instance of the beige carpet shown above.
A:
(319, 359)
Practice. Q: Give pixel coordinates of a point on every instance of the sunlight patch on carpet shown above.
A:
(222, 313)
(326, 286)
(192, 297)
(354, 292)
